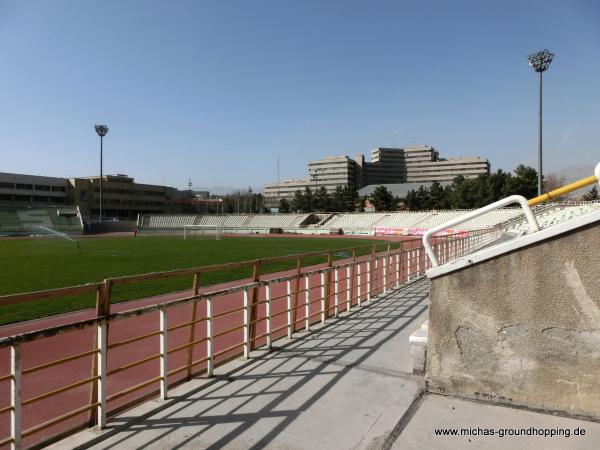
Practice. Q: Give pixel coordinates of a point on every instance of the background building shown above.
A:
(32, 190)
(413, 164)
(122, 197)
(419, 164)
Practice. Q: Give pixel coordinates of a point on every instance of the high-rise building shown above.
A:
(419, 164)
(413, 164)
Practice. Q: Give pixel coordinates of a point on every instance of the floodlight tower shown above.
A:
(540, 61)
(101, 130)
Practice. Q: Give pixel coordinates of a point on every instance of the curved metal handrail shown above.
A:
(533, 224)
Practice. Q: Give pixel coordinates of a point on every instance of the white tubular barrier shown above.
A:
(246, 326)
(533, 224)
(268, 313)
(358, 288)
(336, 289)
(164, 372)
(15, 395)
(322, 297)
(101, 385)
(349, 282)
(307, 303)
(397, 269)
(289, 309)
(385, 264)
(209, 337)
(368, 282)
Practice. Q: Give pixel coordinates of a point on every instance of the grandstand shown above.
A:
(27, 221)
(549, 215)
(406, 223)
(231, 223)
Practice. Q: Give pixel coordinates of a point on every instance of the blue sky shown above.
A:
(215, 91)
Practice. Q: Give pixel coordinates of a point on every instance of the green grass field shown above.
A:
(44, 263)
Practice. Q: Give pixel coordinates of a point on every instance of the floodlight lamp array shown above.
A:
(540, 61)
(101, 130)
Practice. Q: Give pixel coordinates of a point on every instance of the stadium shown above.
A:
(213, 290)
(299, 225)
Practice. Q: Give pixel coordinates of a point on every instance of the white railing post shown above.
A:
(385, 264)
(289, 309)
(398, 269)
(164, 372)
(101, 384)
(246, 326)
(418, 256)
(268, 313)
(307, 303)
(359, 286)
(15, 396)
(349, 283)
(209, 337)
(408, 258)
(368, 282)
(376, 275)
(336, 290)
(322, 297)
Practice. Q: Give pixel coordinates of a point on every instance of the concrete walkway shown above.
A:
(343, 386)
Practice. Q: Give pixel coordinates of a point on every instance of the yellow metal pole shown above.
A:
(563, 190)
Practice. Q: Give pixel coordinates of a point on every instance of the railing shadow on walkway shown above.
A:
(329, 352)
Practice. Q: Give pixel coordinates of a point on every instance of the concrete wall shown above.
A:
(523, 328)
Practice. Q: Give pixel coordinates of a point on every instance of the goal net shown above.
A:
(202, 232)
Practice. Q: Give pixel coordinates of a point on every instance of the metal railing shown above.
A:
(533, 225)
(525, 205)
(174, 344)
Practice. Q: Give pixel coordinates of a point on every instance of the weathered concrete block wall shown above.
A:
(523, 328)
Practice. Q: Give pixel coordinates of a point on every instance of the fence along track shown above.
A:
(290, 303)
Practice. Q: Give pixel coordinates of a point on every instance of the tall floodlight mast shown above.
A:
(540, 61)
(101, 130)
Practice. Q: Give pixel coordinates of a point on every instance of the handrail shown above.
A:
(533, 224)
(567, 188)
(343, 285)
(525, 204)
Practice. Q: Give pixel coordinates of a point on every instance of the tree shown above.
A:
(591, 195)
(302, 201)
(321, 200)
(284, 206)
(383, 200)
(337, 200)
(553, 181)
(437, 195)
(523, 183)
(362, 203)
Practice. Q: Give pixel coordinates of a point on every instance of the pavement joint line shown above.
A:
(404, 420)
(421, 389)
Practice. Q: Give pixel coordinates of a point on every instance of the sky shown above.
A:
(217, 91)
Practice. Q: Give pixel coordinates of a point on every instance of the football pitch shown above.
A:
(45, 263)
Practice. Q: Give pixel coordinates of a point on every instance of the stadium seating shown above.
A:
(552, 214)
(38, 220)
(169, 222)
(508, 219)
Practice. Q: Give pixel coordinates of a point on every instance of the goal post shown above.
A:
(202, 232)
